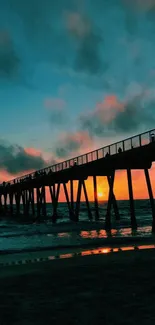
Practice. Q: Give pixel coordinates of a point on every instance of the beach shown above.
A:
(115, 288)
(78, 273)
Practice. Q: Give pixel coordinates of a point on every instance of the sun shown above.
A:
(100, 194)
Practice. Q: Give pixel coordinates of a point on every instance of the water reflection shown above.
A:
(101, 250)
(66, 255)
(146, 246)
(93, 234)
(128, 248)
(127, 232)
(63, 234)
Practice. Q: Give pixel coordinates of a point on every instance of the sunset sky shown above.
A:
(74, 75)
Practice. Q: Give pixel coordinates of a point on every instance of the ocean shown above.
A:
(16, 236)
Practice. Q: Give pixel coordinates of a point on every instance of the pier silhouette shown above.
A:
(136, 152)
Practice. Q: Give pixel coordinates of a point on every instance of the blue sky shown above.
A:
(78, 52)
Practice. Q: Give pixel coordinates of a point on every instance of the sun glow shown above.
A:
(100, 195)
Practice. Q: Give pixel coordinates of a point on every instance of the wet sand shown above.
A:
(117, 288)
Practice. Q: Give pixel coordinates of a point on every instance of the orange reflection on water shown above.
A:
(89, 234)
(114, 232)
(96, 251)
(115, 250)
(63, 234)
(84, 253)
(101, 233)
(51, 258)
(146, 246)
(106, 250)
(66, 255)
(90, 252)
(101, 250)
(127, 248)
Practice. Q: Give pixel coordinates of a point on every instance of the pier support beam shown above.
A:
(17, 200)
(54, 197)
(43, 199)
(27, 203)
(71, 212)
(132, 207)
(5, 203)
(114, 202)
(78, 201)
(11, 202)
(38, 203)
(1, 205)
(96, 198)
(148, 182)
(72, 194)
(87, 201)
(31, 194)
(23, 202)
(110, 199)
(30, 201)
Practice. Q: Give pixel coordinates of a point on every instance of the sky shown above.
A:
(75, 75)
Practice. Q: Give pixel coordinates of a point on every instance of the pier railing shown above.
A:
(112, 149)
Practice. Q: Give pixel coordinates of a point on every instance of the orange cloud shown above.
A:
(108, 109)
(73, 144)
(33, 152)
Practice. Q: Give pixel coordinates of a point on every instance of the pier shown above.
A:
(136, 152)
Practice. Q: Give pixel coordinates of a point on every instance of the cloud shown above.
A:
(9, 61)
(73, 46)
(143, 5)
(14, 159)
(88, 40)
(56, 107)
(33, 152)
(110, 117)
(113, 115)
(72, 144)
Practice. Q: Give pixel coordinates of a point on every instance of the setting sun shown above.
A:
(100, 194)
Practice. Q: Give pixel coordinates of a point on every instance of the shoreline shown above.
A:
(121, 257)
(35, 256)
(90, 243)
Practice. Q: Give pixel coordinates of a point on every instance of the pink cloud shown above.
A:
(108, 109)
(73, 144)
(5, 176)
(33, 152)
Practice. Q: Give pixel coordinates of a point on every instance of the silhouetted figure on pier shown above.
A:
(75, 163)
(152, 137)
(50, 172)
(119, 150)
(107, 155)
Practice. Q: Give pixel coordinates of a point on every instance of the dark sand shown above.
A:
(118, 288)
